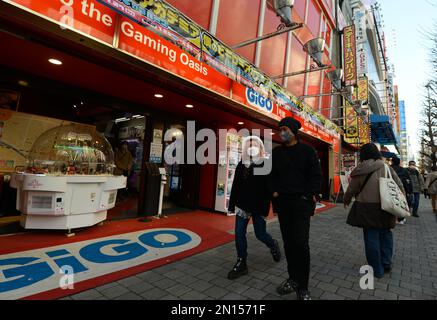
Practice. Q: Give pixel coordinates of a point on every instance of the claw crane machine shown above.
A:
(68, 182)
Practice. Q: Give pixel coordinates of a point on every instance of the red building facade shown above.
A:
(234, 21)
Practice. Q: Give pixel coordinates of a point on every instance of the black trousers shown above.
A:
(294, 215)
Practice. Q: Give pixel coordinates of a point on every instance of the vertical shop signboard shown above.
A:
(86, 16)
(364, 121)
(351, 124)
(363, 90)
(350, 55)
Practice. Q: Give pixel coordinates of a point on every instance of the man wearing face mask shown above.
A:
(295, 183)
(418, 186)
(250, 199)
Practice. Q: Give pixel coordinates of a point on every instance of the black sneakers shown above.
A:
(290, 286)
(240, 269)
(276, 252)
(303, 295)
(287, 287)
(387, 269)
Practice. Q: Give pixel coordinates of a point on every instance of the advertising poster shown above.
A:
(155, 153)
(157, 136)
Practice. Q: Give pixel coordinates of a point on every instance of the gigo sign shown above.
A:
(257, 100)
(31, 272)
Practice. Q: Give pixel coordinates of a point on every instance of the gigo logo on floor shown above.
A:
(26, 273)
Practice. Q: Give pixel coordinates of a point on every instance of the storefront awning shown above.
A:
(382, 130)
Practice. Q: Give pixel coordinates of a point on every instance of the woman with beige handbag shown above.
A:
(431, 187)
(366, 211)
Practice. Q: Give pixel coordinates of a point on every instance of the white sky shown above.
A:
(405, 23)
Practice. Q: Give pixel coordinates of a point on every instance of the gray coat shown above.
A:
(416, 180)
(432, 189)
(367, 212)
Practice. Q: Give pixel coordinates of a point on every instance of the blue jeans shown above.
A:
(416, 199)
(379, 249)
(259, 224)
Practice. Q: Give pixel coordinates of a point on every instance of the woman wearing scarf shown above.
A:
(250, 199)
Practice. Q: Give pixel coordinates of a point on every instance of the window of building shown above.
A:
(273, 50)
(198, 10)
(314, 14)
(238, 22)
(298, 60)
(300, 8)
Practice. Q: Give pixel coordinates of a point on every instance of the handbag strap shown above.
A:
(388, 172)
(364, 184)
(432, 182)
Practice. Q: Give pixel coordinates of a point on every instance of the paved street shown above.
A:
(337, 254)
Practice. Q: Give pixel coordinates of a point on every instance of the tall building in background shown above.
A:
(403, 133)
(374, 70)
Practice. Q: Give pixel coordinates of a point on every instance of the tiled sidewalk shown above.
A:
(337, 254)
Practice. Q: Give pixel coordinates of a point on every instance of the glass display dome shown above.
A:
(71, 149)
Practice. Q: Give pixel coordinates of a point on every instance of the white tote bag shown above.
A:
(392, 199)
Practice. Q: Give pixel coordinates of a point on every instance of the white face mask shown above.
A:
(253, 151)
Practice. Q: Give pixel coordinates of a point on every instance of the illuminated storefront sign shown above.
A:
(85, 16)
(350, 56)
(155, 32)
(166, 22)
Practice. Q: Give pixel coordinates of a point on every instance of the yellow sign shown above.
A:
(363, 90)
(175, 20)
(351, 124)
(350, 56)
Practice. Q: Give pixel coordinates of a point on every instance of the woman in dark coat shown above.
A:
(366, 213)
(250, 198)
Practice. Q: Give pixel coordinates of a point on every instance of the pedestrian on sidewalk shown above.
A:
(295, 182)
(431, 187)
(425, 192)
(366, 212)
(250, 198)
(418, 186)
(404, 175)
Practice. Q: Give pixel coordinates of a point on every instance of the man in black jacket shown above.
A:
(295, 182)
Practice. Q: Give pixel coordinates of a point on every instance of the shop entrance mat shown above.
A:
(31, 263)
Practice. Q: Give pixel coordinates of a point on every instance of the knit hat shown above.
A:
(291, 123)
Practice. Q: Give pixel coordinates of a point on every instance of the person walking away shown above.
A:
(295, 182)
(431, 187)
(366, 212)
(404, 175)
(418, 186)
(425, 191)
(250, 199)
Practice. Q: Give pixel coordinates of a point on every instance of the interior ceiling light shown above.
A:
(189, 106)
(121, 120)
(159, 96)
(55, 62)
(241, 123)
(23, 83)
